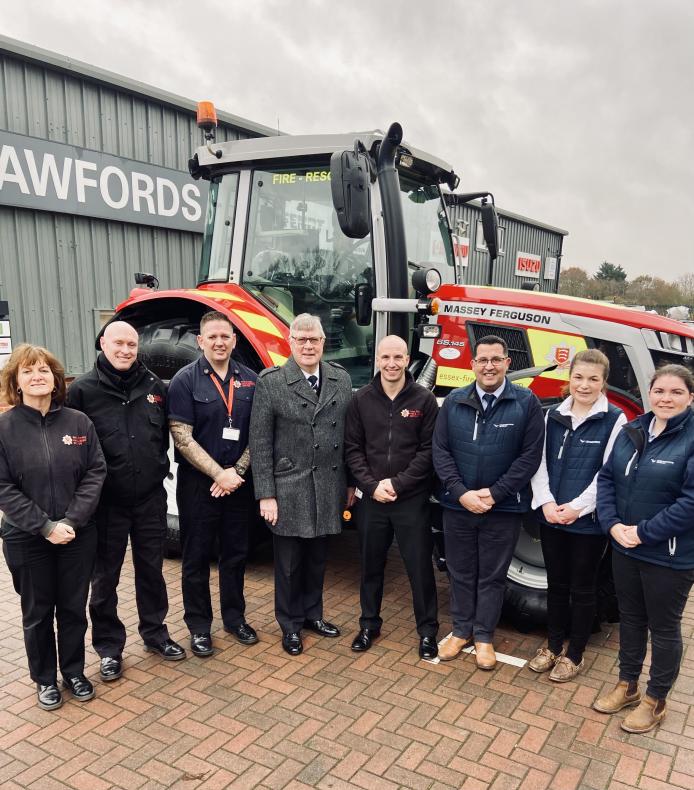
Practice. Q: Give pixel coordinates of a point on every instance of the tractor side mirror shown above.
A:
(490, 228)
(350, 175)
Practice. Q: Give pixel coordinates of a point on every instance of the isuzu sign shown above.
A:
(528, 265)
(48, 176)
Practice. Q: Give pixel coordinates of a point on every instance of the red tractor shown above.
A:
(354, 229)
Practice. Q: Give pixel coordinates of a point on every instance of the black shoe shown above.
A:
(201, 645)
(362, 641)
(428, 648)
(49, 697)
(168, 650)
(111, 668)
(244, 633)
(292, 643)
(82, 690)
(322, 627)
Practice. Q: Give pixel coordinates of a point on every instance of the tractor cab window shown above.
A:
(219, 227)
(426, 227)
(297, 260)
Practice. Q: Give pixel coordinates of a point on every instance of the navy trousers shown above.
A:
(205, 519)
(479, 548)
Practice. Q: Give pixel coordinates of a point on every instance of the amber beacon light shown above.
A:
(207, 117)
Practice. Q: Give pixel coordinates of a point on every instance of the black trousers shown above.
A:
(408, 521)
(651, 598)
(479, 548)
(53, 583)
(299, 575)
(145, 525)
(572, 561)
(204, 519)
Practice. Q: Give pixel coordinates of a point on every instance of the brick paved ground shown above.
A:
(253, 717)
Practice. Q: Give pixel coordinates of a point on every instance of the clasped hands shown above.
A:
(626, 535)
(61, 534)
(560, 514)
(226, 482)
(384, 491)
(477, 500)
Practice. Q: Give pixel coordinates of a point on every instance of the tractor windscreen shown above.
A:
(426, 227)
(299, 261)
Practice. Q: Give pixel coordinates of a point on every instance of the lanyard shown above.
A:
(229, 403)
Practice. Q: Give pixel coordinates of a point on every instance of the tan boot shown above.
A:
(485, 655)
(451, 647)
(622, 696)
(544, 660)
(648, 715)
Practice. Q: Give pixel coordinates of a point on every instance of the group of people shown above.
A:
(82, 471)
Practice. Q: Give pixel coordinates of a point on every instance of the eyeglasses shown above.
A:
(484, 361)
(308, 341)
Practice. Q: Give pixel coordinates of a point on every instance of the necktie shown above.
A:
(313, 381)
(488, 399)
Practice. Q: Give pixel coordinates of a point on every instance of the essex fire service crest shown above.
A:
(561, 355)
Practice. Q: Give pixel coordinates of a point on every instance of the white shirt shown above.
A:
(497, 392)
(316, 374)
(585, 501)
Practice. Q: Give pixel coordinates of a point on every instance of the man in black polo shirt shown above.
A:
(209, 409)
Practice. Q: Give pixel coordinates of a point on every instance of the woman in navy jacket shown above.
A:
(51, 473)
(580, 433)
(646, 503)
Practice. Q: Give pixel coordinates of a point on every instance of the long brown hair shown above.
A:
(26, 354)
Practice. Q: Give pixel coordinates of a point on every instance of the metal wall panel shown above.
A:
(518, 236)
(57, 271)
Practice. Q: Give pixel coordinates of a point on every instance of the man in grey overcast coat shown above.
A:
(299, 474)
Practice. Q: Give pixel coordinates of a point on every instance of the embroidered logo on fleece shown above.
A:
(74, 441)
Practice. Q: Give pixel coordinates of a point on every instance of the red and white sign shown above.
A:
(461, 250)
(528, 265)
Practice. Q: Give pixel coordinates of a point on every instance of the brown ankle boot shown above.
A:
(648, 715)
(622, 695)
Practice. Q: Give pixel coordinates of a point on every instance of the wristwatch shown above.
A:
(240, 470)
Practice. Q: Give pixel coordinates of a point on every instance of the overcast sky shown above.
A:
(579, 114)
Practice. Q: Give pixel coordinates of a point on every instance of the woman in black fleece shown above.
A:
(51, 473)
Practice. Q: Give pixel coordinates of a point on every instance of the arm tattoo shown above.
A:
(245, 460)
(191, 450)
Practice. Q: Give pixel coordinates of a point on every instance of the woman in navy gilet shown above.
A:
(580, 433)
(646, 503)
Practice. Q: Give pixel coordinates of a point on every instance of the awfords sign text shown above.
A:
(48, 176)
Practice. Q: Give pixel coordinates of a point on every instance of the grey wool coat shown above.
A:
(297, 447)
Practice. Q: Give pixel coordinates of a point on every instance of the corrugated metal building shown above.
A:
(529, 251)
(94, 186)
(60, 271)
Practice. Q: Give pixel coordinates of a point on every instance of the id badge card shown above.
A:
(231, 434)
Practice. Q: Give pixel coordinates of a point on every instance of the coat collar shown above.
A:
(294, 376)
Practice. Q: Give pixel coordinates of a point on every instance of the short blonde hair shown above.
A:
(26, 354)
